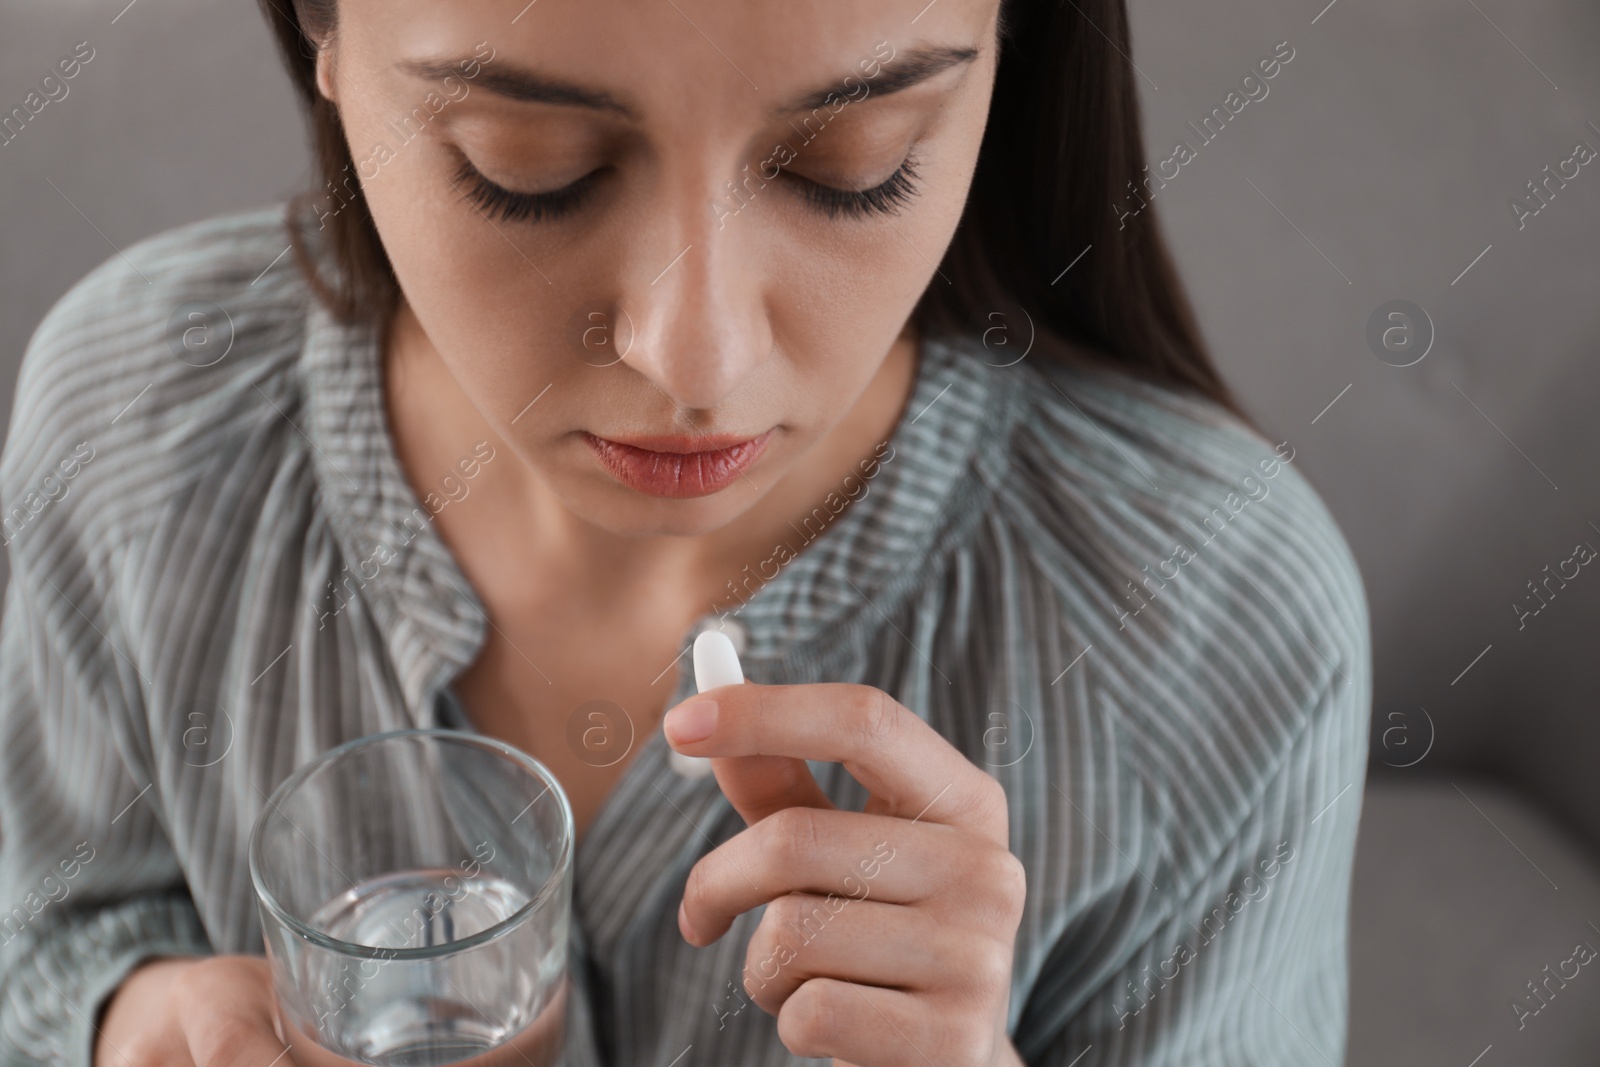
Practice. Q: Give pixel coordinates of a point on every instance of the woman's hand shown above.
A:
(206, 1011)
(888, 933)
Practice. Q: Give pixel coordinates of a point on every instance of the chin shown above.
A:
(625, 512)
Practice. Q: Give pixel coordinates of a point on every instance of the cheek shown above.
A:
(845, 288)
(839, 296)
(474, 284)
(858, 281)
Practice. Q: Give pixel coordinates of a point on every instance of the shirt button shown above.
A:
(737, 632)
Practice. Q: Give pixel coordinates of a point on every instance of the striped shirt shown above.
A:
(1130, 609)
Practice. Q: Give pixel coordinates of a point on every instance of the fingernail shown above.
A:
(683, 924)
(691, 722)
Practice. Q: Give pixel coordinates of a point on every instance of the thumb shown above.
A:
(759, 785)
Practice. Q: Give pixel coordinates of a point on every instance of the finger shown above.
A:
(235, 1029)
(803, 936)
(909, 769)
(882, 1027)
(236, 1041)
(803, 850)
(136, 1027)
(165, 1048)
(757, 786)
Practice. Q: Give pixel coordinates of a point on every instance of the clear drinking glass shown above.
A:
(415, 890)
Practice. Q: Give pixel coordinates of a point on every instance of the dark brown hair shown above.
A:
(1062, 144)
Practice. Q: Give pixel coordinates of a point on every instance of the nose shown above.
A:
(695, 302)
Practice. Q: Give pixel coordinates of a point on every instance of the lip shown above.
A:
(678, 466)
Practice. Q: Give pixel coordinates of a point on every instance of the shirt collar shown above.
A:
(429, 616)
(857, 565)
(925, 494)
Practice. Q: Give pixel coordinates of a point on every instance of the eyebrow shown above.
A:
(906, 69)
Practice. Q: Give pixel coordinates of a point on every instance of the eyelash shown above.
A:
(498, 202)
(885, 198)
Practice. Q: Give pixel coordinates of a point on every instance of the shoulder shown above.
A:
(1222, 611)
(1168, 495)
(143, 369)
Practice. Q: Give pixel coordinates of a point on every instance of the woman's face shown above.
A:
(666, 226)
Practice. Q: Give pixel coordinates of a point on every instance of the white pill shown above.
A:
(715, 664)
(715, 661)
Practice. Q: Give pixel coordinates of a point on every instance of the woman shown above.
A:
(606, 324)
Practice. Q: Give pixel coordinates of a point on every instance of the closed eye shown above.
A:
(885, 198)
(498, 202)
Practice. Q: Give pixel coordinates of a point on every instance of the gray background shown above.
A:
(1377, 168)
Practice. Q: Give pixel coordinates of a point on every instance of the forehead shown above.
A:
(656, 55)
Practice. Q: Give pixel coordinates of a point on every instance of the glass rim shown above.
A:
(269, 900)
